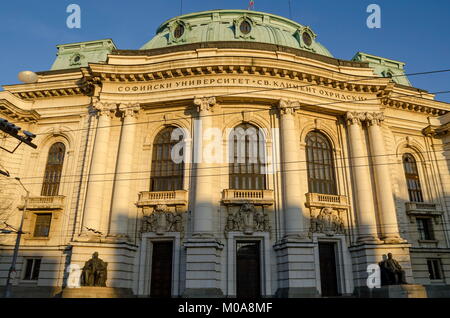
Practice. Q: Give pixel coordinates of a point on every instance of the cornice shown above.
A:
(10, 110)
(52, 89)
(437, 131)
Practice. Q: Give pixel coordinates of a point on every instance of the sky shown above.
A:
(415, 32)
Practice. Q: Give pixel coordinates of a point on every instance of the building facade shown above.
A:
(351, 163)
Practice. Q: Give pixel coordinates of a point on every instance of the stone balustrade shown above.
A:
(326, 200)
(256, 197)
(44, 203)
(178, 197)
(422, 208)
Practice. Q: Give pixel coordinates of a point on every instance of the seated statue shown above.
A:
(391, 272)
(94, 272)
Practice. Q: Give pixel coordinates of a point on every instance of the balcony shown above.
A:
(256, 197)
(178, 197)
(319, 200)
(424, 209)
(44, 203)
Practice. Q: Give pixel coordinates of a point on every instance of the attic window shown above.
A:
(389, 75)
(77, 59)
(245, 27)
(307, 38)
(179, 31)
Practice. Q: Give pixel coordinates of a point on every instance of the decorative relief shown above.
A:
(244, 28)
(248, 219)
(288, 107)
(161, 220)
(374, 118)
(204, 103)
(327, 220)
(129, 109)
(356, 118)
(104, 108)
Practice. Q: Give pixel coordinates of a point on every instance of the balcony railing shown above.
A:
(178, 197)
(328, 200)
(422, 208)
(44, 203)
(257, 197)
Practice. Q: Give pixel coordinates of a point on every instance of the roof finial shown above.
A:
(251, 5)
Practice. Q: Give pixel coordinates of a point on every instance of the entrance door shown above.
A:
(248, 270)
(328, 274)
(161, 284)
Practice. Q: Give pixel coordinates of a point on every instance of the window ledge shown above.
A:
(256, 197)
(319, 200)
(154, 198)
(424, 209)
(429, 241)
(38, 238)
(28, 282)
(44, 203)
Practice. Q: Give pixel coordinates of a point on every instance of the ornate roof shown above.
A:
(235, 26)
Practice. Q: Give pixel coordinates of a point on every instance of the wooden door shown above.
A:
(248, 270)
(161, 284)
(328, 273)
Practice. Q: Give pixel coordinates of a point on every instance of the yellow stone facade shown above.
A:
(108, 114)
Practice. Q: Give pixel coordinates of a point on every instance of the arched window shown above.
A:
(412, 178)
(166, 175)
(247, 158)
(53, 170)
(319, 156)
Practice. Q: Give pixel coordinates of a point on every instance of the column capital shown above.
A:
(354, 118)
(373, 119)
(204, 103)
(104, 108)
(288, 107)
(130, 109)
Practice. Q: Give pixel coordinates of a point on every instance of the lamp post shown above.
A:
(12, 269)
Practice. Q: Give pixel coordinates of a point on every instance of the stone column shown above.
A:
(367, 224)
(203, 205)
(295, 252)
(203, 251)
(290, 174)
(94, 196)
(122, 194)
(388, 217)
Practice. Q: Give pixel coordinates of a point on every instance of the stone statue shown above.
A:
(391, 272)
(94, 272)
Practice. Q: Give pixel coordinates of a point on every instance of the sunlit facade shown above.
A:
(351, 164)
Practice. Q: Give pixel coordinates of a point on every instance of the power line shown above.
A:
(266, 174)
(192, 168)
(417, 95)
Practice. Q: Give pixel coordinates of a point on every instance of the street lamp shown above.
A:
(8, 289)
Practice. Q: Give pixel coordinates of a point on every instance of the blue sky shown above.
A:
(416, 32)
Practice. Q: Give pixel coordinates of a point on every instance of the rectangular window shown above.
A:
(42, 226)
(32, 267)
(435, 269)
(425, 228)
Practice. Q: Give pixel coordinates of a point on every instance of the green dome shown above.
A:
(235, 26)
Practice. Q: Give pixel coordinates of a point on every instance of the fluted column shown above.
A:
(290, 171)
(367, 224)
(388, 216)
(121, 195)
(94, 196)
(203, 205)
